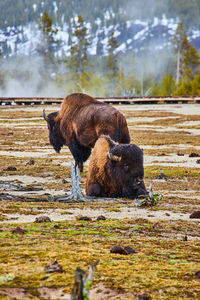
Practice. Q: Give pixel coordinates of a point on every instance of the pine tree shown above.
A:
(78, 61)
(2, 75)
(99, 49)
(155, 89)
(127, 85)
(112, 59)
(187, 56)
(191, 60)
(196, 84)
(184, 87)
(92, 83)
(167, 85)
(48, 42)
(46, 48)
(121, 89)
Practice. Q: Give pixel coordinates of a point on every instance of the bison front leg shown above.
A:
(76, 194)
(95, 190)
(80, 153)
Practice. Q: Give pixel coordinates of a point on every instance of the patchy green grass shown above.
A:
(165, 268)
(152, 137)
(172, 172)
(164, 264)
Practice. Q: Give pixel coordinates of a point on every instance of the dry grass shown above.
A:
(164, 264)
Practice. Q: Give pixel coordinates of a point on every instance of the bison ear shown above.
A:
(113, 157)
(45, 116)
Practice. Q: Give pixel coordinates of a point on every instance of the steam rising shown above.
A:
(153, 56)
(26, 77)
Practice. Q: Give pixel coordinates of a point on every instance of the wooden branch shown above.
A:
(81, 288)
(9, 197)
(17, 187)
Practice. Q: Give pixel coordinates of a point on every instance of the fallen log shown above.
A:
(16, 187)
(10, 197)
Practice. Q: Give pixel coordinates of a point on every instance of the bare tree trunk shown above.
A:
(178, 67)
(142, 81)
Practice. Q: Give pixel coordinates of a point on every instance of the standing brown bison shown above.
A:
(79, 123)
(115, 170)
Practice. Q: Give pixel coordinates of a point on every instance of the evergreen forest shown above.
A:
(50, 70)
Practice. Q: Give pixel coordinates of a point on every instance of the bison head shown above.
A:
(126, 170)
(55, 137)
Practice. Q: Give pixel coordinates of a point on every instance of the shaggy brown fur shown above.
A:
(87, 118)
(120, 178)
(79, 123)
(98, 162)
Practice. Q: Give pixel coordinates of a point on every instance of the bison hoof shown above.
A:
(76, 194)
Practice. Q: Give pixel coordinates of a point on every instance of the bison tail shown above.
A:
(118, 136)
(122, 133)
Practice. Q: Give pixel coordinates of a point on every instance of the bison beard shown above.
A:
(115, 170)
(56, 139)
(79, 123)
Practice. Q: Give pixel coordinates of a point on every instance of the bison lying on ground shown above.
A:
(115, 170)
(79, 123)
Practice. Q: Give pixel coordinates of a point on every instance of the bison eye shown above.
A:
(126, 168)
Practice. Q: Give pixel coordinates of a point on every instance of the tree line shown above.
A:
(21, 12)
(105, 75)
(80, 70)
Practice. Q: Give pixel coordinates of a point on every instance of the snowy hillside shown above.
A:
(134, 35)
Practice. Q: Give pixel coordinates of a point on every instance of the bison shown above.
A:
(115, 170)
(79, 123)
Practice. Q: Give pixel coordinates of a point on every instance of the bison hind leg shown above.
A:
(95, 190)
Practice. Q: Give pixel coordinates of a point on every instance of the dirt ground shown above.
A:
(166, 239)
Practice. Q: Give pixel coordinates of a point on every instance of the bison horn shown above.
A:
(113, 157)
(44, 115)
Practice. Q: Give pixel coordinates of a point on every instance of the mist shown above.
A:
(151, 57)
(26, 77)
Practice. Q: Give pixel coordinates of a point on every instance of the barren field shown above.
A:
(166, 240)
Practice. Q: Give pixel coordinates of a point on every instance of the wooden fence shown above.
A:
(112, 100)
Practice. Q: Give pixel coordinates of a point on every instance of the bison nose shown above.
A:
(141, 189)
(139, 185)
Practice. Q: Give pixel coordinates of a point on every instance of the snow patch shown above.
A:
(34, 7)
